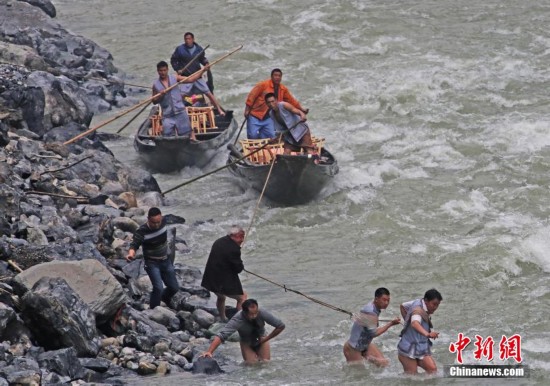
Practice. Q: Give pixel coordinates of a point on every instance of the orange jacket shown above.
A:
(256, 102)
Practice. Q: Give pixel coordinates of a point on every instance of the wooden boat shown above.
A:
(167, 154)
(295, 179)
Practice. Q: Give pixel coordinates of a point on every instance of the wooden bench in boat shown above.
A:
(202, 119)
(266, 155)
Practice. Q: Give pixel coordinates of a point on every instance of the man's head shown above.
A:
(154, 218)
(276, 76)
(432, 298)
(271, 102)
(236, 233)
(382, 298)
(189, 39)
(162, 69)
(250, 309)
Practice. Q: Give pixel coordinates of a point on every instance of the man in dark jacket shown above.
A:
(221, 274)
(152, 237)
(182, 55)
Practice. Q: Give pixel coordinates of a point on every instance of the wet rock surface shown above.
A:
(72, 309)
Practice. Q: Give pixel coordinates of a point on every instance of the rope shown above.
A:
(273, 158)
(322, 303)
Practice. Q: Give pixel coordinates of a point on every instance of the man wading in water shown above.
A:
(250, 323)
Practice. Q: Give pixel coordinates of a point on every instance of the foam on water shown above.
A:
(535, 247)
(437, 115)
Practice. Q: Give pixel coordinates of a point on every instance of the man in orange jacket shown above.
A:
(259, 125)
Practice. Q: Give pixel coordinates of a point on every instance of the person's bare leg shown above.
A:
(215, 103)
(307, 142)
(250, 357)
(410, 366)
(220, 305)
(240, 301)
(375, 356)
(352, 355)
(264, 352)
(428, 364)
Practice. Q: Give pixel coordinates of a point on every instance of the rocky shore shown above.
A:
(72, 309)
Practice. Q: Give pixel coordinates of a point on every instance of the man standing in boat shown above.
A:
(250, 324)
(365, 328)
(259, 125)
(174, 114)
(285, 117)
(182, 55)
(221, 274)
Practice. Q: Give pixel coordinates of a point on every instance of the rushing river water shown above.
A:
(437, 111)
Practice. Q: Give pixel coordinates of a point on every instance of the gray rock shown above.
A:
(59, 318)
(204, 365)
(164, 316)
(126, 224)
(129, 198)
(36, 236)
(112, 187)
(146, 368)
(100, 365)
(7, 314)
(44, 5)
(161, 348)
(63, 362)
(203, 318)
(151, 199)
(92, 281)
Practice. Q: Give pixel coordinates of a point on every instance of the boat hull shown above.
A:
(168, 154)
(294, 180)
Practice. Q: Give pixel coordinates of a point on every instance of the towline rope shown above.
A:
(325, 304)
(273, 158)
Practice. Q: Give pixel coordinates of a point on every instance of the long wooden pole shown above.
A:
(81, 135)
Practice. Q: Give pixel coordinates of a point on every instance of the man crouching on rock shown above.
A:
(250, 323)
(152, 236)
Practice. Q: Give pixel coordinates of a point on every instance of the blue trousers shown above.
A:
(160, 271)
(258, 129)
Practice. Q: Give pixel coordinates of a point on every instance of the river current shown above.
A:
(437, 111)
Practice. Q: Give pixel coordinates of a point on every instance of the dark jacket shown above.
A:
(154, 242)
(221, 274)
(182, 56)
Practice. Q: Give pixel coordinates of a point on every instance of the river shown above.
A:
(437, 111)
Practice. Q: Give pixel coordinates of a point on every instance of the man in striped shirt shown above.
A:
(152, 237)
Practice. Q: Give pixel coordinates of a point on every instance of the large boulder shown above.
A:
(92, 281)
(59, 318)
(54, 101)
(63, 362)
(44, 5)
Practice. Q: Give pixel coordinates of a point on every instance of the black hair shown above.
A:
(189, 34)
(161, 64)
(381, 291)
(276, 70)
(432, 294)
(247, 304)
(269, 95)
(154, 211)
